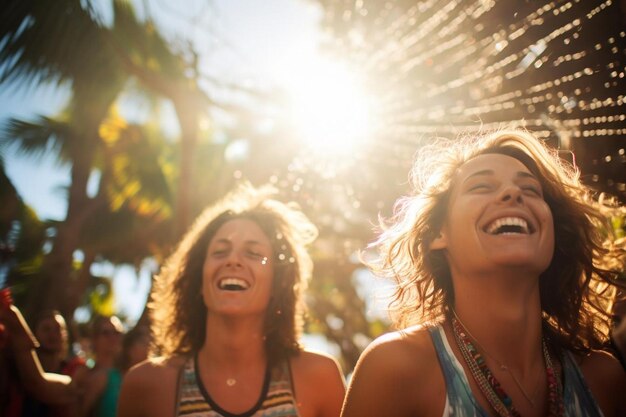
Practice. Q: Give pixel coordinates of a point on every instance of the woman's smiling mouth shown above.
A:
(233, 284)
(509, 225)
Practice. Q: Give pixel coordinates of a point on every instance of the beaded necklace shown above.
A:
(490, 386)
(502, 366)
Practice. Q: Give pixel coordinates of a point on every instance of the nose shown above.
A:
(511, 194)
(233, 259)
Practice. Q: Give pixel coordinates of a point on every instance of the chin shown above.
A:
(529, 263)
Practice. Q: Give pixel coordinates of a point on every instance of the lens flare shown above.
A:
(330, 111)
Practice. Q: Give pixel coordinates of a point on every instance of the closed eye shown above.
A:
(255, 255)
(532, 189)
(480, 187)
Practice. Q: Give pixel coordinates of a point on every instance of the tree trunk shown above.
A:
(54, 286)
(188, 117)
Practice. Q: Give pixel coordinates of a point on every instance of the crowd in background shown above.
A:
(96, 362)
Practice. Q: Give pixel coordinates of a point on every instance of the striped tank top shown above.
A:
(277, 397)
(460, 401)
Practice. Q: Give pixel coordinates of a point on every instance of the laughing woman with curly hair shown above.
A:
(226, 317)
(504, 284)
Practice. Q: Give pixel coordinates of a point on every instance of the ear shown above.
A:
(439, 242)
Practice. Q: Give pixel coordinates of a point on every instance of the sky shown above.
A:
(239, 39)
(274, 42)
(246, 42)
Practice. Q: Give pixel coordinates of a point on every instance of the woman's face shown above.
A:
(238, 269)
(496, 218)
(52, 333)
(108, 337)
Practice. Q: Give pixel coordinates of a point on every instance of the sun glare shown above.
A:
(329, 109)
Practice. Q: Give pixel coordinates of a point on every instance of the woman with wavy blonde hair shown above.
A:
(505, 271)
(226, 317)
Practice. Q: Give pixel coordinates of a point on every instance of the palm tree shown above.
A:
(145, 55)
(22, 234)
(59, 44)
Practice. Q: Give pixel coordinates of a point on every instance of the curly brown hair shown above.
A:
(177, 309)
(583, 275)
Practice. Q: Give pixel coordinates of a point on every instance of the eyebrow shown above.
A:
(485, 172)
(247, 242)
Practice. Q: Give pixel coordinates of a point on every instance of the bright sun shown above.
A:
(330, 111)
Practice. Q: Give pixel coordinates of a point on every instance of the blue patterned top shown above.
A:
(460, 401)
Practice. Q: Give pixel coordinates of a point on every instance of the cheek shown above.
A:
(268, 277)
(548, 238)
(208, 270)
(465, 213)
(547, 221)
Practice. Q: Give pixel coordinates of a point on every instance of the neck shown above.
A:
(504, 318)
(233, 351)
(234, 340)
(50, 361)
(105, 360)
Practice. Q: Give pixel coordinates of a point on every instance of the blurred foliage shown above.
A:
(129, 216)
(22, 235)
(101, 298)
(144, 187)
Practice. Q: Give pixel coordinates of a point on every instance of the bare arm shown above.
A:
(132, 396)
(332, 390)
(607, 380)
(397, 375)
(46, 387)
(319, 385)
(149, 389)
(374, 389)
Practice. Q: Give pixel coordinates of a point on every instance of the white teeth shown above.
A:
(494, 227)
(233, 284)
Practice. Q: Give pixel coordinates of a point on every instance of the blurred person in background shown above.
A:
(51, 333)
(11, 391)
(226, 317)
(101, 386)
(135, 347)
(21, 371)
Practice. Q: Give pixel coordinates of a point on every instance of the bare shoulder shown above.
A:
(154, 367)
(406, 354)
(318, 384)
(314, 363)
(397, 374)
(149, 388)
(600, 368)
(152, 373)
(607, 380)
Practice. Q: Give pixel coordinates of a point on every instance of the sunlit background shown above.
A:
(330, 109)
(327, 100)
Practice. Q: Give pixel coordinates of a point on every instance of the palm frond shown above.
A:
(36, 137)
(51, 42)
(143, 44)
(125, 237)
